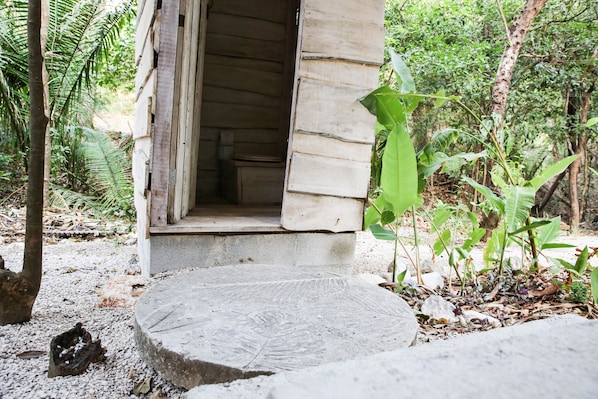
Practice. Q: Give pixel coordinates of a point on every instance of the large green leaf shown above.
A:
(374, 213)
(531, 226)
(440, 217)
(399, 172)
(494, 247)
(402, 73)
(592, 122)
(494, 199)
(594, 284)
(554, 245)
(442, 242)
(582, 261)
(439, 159)
(549, 232)
(383, 103)
(519, 202)
(474, 237)
(552, 171)
(382, 234)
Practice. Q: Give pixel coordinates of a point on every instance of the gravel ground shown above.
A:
(73, 272)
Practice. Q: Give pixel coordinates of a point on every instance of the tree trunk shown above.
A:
(502, 84)
(517, 32)
(18, 291)
(579, 142)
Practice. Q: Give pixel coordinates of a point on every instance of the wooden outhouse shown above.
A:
(250, 142)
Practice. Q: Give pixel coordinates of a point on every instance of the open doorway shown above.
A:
(246, 96)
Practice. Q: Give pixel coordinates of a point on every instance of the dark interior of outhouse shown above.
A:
(246, 103)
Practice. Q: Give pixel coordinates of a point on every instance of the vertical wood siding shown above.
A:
(329, 153)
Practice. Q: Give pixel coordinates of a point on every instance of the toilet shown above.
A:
(250, 179)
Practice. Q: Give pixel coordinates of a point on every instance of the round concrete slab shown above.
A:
(225, 323)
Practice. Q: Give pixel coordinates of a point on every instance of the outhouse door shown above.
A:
(340, 52)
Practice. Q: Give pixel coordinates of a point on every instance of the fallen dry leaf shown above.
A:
(143, 387)
(551, 289)
(31, 354)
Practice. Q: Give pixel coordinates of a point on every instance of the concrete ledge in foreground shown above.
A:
(551, 358)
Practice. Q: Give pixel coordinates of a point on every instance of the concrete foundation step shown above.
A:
(551, 358)
(232, 322)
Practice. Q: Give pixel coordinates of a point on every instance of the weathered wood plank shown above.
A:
(269, 10)
(245, 63)
(288, 77)
(185, 168)
(208, 186)
(331, 147)
(141, 159)
(356, 10)
(260, 185)
(178, 110)
(238, 116)
(242, 26)
(244, 48)
(143, 116)
(250, 80)
(314, 174)
(351, 32)
(196, 127)
(207, 223)
(237, 96)
(160, 165)
(336, 71)
(340, 38)
(304, 212)
(142, 198)
(333, 110)
(145, 66)
(270, 149)
(140, 169)
(257, 136)
(145, 18)
(208, 155)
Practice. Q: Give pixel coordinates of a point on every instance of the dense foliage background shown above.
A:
(456, 46)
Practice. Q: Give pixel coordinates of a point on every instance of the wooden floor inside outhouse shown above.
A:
(226, 218)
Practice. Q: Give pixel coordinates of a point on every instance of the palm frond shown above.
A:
(85, 31)
(13, 79)
(64, 198)
(110, 169)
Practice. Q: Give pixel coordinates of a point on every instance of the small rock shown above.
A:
(433, 280)
(439, 309)
(387, 277)
(122, 291)
(472, 315)
(371, 278)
